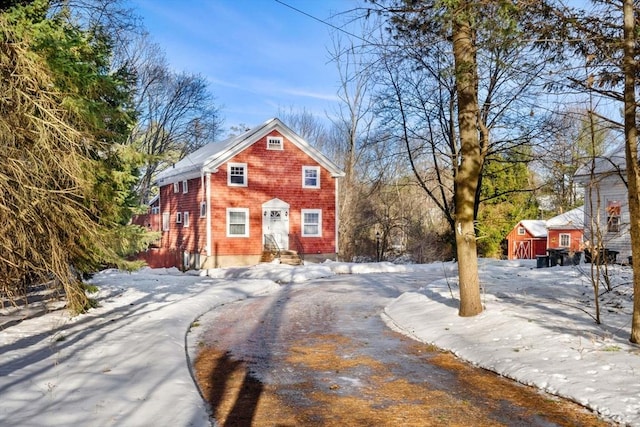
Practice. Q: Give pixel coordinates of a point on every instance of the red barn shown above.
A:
(530, 238)
(229, 201)
(527, 240)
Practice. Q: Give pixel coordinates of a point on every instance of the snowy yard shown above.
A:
(127, 362)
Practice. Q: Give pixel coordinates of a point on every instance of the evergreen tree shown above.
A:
(66, 179)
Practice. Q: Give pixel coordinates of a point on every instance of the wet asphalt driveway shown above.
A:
(320, 354)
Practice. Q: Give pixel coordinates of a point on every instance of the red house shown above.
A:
(229, 201)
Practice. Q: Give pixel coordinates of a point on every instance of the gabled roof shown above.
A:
(613, 163)
(573, 219)
(213, 155)
(535, 227)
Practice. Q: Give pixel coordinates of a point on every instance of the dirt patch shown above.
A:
(337, 386)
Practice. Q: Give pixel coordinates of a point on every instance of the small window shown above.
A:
(521, 231)
(237, 222)
(614, 208)
(178, 217)
(274, 143)
(311, 223)
(311, 177)
(165, 221)
(565, 240)
(185, 219)
(237, 174)
(203, 209)
(176, 187)
(155, 210)
(185, 187)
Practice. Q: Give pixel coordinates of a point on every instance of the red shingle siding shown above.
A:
(192, 238)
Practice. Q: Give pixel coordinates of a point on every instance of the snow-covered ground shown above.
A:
(127, 362)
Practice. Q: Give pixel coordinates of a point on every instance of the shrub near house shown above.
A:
(219, 205)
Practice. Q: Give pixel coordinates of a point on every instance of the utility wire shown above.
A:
(321, 21)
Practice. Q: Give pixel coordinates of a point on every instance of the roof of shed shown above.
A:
(535, 227)
(573, 219)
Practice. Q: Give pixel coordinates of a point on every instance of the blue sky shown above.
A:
(259, 56)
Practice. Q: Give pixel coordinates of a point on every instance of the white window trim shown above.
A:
(280, 146)
(178, 217)
(166, 220)
(521, 231)
(185, 187)
(176, 187)
(568, 237)
(304, 181)
(246, 174)
(246, 230)
(302, 223)
(185, 219)
(203, 209)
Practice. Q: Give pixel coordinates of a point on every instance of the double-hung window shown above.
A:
(237, 222)
(310, 177)
(237, 174)
(614, 208)
(312, 222)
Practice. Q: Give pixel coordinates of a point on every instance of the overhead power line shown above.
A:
(322, 21)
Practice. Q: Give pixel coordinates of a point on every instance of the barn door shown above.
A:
(523, 250)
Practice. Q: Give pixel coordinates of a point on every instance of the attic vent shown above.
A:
(274, 143)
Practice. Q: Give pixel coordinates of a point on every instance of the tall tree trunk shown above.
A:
(631, 152)
(469, 169)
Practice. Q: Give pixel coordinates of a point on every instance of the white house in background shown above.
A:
(606, 207)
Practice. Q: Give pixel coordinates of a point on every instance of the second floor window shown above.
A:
(614, 208)
(185, 188)
(237, 174)
(310, 177)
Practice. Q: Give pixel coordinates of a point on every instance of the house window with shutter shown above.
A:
(237, 222)
(614, 208)
(165, 221)
(274, 143)
(311, 222)
(310, 177)
(237, 174)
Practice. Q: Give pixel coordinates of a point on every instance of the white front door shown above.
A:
(275, 222)
(278, 227)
